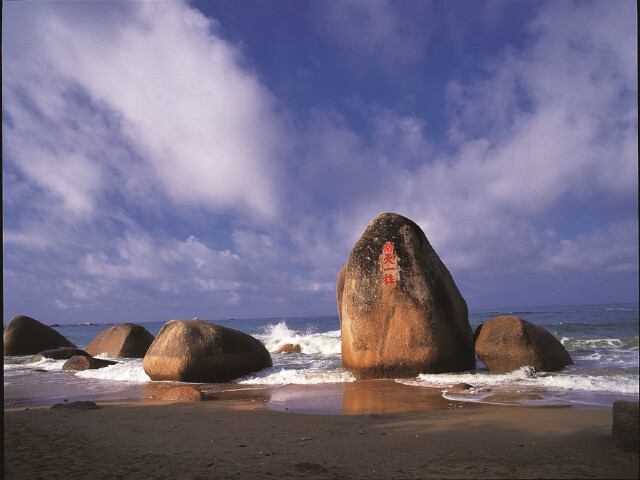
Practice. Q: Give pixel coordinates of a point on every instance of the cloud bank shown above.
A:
(149, 171)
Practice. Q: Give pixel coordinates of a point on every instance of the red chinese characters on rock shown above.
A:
(389, 265)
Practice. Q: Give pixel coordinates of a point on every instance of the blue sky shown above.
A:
(220, 159)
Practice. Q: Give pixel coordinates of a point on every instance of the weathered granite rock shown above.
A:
(58, 354)
(625, 425)
(78, 405)
(126, 340)
(80, 362)
(199, 351)
(183, 394)
(401, 313)
(27, 336)
(289, 347)
(508, 343)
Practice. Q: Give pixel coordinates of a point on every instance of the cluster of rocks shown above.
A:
(25, 335)
(401, 313)
(183, 351)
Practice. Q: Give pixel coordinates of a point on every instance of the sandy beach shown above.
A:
(386, 430)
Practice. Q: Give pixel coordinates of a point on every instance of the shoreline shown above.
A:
(348, 398)
(391, 432)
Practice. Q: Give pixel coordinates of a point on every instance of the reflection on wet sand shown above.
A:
(368, 397)
(388, 396)
(359, 398)
(212, 391)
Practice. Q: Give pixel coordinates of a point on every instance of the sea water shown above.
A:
(602, 340)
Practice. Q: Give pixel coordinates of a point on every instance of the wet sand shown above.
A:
(380, 430)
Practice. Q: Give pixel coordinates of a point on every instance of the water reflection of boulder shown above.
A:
(389, 397)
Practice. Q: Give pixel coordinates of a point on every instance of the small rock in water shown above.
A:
(461, 387)
(184, 394)
(289, 347)
(80, 362)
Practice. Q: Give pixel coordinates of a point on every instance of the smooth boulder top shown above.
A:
(401, 313)
(507, 343)
(27, 336)
(62, 353)
(199, 351)
(126, 340)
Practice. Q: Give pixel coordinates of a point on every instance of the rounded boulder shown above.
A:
(199, 351)
(401, 313)
(507, 343)
(81, 362)
(27, 336)
(183, 394)
(126, 340)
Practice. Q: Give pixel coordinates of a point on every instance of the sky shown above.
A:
(220, 159)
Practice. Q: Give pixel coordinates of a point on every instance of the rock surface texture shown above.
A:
(199, 351)
(508, 343)
(625, 425)
(81, 362)
(126, 340)
(401, 313)
(183, 394)
(27, 336)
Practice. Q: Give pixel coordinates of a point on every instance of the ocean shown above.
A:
(602, 340)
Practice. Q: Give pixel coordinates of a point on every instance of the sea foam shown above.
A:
(126, 370)
(526, 377)
(325, 343)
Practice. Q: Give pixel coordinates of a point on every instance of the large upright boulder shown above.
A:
(126, 340)
(507, 343)
(26, 336)
(199, 351)
(401, 313)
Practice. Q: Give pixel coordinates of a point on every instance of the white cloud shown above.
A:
(111, 121)
(176, 92)
(613, 250)
(546, 133)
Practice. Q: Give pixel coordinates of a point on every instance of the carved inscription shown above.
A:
(389, 265)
